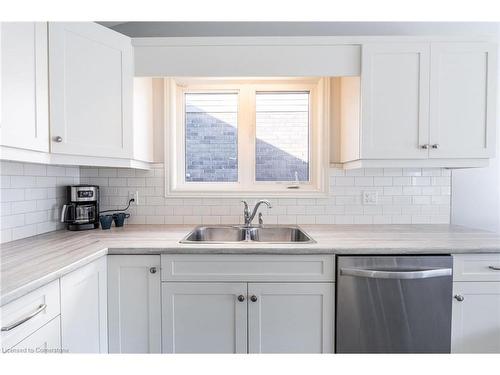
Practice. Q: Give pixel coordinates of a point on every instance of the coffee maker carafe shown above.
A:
(82, 210)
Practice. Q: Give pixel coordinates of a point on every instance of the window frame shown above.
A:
(175, 163)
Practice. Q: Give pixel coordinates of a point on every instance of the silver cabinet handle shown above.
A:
(152, 270)
(241, 298)
(425, 147)
(435, 146)
(458, 297)
(494, 268)
(58, 139)
(376, 274)
(25, 319)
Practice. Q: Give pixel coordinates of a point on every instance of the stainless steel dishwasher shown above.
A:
(394, 304)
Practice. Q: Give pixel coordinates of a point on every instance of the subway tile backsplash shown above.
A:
(31, 196)
(405, 196)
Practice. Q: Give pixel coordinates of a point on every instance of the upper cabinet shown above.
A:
(395, 101)
(91, 90)
(24, 79)
(87, 70)
(462, 97)
(420, 104)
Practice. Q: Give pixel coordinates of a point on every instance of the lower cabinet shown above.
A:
(476, 317)
(204, 317)
(134, 304)
(84, 309)
(290, 317)
(25, 321)
(475, 324)
(247, 317)
(45, 340)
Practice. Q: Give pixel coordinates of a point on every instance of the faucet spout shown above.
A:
(250, 216)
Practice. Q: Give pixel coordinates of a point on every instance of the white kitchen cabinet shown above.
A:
(419, 105)
(27, 314)
(290, 317)
(394, 100)
(476, 303)
(91, 90)
(134, 304)
(230, 303)
(476, 267)
(24, 84)
(476, 317)
(204, 317)
(144, 113)
(248, 267)
(45, 340)
(462, 101)
(84, 309)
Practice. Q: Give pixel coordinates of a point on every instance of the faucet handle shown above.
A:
(246, 207)
(261, 220)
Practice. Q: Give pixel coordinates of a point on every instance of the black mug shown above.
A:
(119, 218)
(106, 221)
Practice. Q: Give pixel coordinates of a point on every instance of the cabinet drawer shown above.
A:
(43, 341)
(42, 305)
(476, 267)
(195, 267)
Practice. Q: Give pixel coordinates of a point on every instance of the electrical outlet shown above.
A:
(135, 196)
(370, 197)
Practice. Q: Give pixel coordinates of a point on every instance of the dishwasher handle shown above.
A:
(402, 275)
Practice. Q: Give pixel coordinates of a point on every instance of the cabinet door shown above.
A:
(290, 318)
(395, 101)
(134, 304)
(84, 325)
(45, 340)
(204, 317)
(24, 84)
(476, 319)
(91, 90)
(462, 104)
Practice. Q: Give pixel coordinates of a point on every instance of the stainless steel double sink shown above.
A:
(238, 233)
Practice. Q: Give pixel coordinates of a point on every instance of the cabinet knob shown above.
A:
(58, 139)
(435, 146)
(241, 298)
(458, 297)
(253, 298)
(424, 147)
(152, 270)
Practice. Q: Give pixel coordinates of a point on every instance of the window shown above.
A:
(282, 136)
(251, 136)
(211, 121)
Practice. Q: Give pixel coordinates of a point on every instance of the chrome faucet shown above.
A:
(249, 216)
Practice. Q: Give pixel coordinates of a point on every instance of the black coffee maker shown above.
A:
(82, 210)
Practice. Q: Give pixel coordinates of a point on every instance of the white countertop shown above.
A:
(32, 262)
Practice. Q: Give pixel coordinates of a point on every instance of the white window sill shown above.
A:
(247, 194)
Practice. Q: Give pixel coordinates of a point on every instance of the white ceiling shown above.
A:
(196, 29)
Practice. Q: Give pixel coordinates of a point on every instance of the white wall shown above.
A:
(476, 192)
